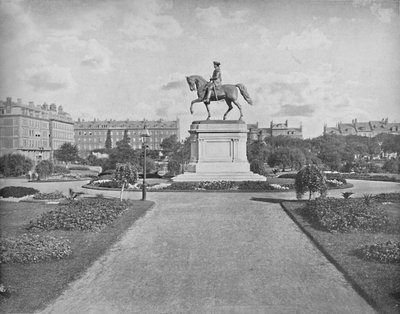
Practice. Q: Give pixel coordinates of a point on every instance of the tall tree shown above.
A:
(67, 153)
(108, 143)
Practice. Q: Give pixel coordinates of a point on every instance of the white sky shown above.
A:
(311, 62)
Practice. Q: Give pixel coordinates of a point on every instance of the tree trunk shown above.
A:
(122, 192)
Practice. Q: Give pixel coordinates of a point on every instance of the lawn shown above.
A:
(33, 286)
(379, 283)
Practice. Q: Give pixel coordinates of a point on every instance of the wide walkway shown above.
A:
(212, 253)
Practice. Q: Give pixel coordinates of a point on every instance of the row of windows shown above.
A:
(102, 140)
(62, 126)
(63, 135)
(34, 143)
(104, 133)
(84, 146)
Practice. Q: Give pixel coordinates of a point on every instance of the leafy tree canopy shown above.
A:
(67, 153)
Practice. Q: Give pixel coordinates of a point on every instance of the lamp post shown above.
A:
(144, 135)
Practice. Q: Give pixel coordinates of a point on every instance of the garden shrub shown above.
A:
(33, 248)
(83, 214)
(388, 252)
(44, 168)
(49, 196)
(17, 191)
(344, 215)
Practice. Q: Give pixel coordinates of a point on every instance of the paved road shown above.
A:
(212, 253)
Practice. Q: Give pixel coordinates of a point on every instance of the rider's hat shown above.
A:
(216, 63)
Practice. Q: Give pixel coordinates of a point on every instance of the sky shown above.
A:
(308, 62)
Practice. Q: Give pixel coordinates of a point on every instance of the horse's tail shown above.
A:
(245, 94)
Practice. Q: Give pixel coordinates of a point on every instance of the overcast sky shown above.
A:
(309, 62)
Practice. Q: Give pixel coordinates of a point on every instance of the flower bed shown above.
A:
(17, 191)
(32, 248)
(388, 252)
(344, 215)
(85, 214)
(227, 186)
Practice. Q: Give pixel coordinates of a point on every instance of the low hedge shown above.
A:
(49, 196)
(17, 191)
(345, 215)
(78, 168)
(370, 177)
(33, 248)
(388, 252)
(329, 176)
(91, 214)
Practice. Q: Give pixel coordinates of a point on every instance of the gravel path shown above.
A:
(212, 253)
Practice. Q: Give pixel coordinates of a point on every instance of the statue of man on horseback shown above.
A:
(227, 92)
(215, 82)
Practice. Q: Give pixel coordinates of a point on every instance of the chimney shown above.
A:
(31, 104)
(8, 105)
(60, 109)
(19, 101)
(45, 106)
(53, 107)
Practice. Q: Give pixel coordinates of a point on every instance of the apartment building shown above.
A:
(33, 130)
(369, 128)
(90, 135)
(275, 129)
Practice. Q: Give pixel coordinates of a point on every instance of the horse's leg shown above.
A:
(229, 103)
(208, 110)
(193, 102)
(239, 107)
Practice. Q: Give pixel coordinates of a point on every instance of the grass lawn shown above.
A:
(33, 286)
(378, 283)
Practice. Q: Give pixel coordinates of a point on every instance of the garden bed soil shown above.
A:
(33, 286)
(378, 283)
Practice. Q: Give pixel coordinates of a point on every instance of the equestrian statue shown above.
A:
(215, 91)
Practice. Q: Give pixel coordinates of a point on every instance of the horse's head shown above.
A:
(191, 82)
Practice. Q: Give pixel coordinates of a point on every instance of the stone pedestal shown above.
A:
(218, 152)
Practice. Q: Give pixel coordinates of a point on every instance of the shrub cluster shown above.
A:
(33, 248)
(388, 252)
(83, 214)
(61, 170)
(17, 191)
(78, 168)
(388, 197)
(344, 215)
(49, 196)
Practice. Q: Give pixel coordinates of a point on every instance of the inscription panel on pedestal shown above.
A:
(218, 150)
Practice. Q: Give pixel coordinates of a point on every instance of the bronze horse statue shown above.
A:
(227, 92)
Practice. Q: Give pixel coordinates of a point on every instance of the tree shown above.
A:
(258, 150)
(15, 164)
(67, 153)
(297, 159)
(392, 166)
(44, 169)
(126, 174)
(280, 158)
(311, 179)
(170, 144)
(108, 143)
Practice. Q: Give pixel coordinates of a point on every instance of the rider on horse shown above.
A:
(215, 82)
